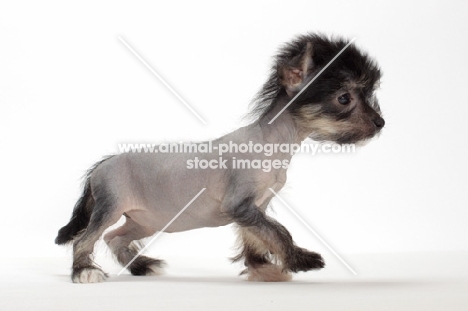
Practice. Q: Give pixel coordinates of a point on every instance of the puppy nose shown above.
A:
(379, 122)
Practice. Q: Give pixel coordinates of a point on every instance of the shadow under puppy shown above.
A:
(151, 188)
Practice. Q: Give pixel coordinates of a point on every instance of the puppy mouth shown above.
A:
(357, 138)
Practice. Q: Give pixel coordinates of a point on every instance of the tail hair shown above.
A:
(81, 212)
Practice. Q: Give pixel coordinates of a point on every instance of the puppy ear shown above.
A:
(293, 73)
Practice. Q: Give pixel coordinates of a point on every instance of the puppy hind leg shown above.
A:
(84, 270)
(124, 244)
(144, 265)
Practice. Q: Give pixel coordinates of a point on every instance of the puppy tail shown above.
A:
(81, 212)
(80, 216)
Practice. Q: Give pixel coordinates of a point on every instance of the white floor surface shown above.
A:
(424, 281)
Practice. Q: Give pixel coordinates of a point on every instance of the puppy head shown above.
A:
(340, 105)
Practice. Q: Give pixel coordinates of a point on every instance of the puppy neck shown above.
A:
(282, 129)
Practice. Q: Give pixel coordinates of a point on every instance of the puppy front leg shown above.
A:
(261, 231)
(259, 262)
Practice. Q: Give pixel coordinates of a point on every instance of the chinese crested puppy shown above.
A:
(149, 189)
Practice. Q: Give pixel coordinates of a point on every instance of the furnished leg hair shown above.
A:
(275, 238)
(258, 260)
(124, 245)
(84, 270)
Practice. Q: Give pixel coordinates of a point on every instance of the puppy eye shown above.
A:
(344, 99)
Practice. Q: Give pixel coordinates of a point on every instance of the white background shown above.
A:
(70, 91)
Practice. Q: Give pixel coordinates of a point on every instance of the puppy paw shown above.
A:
(267, 273)
(304, 260)
(154, 270)
(147, 266)
(88, 275)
